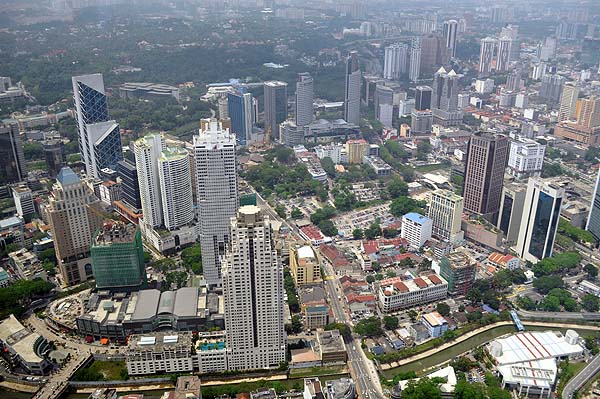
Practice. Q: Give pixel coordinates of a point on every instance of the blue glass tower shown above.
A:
(240, 112)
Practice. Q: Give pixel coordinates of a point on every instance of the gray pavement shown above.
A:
(585, 375)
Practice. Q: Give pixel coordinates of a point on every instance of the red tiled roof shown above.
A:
(370, 247)
(312, 232)
(420, 282)
(434, 279)
(400, 286)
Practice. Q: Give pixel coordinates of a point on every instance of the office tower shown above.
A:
(421, 121)
(444, 103)
(445, 212)
(431, 53)
(415, 60)
(147, 151)
(504, 51)
(356, 150)
(304, 99)
(514, 81)
(130, 188)
(384, 104)
(75, 214)
(352, 90)
(304, 265)
(539, 71)
(216, 176)
(223, 107)
(552, 87)
(12, 160)
(423, 95)
(253, 294)
(511, 211)
(484, 174)
(368, 88)
(450, 31)
(54, 156)
(240, 108)
(486, 55)
(416, 229)
(526, 157)
(588, 112)
(23, 199)
(395, 59)
(275, 106)
(175, 187)
(99, 137)
(593, 222)
(568, 101)
(540, 220)
(118, 257)
(458, 270)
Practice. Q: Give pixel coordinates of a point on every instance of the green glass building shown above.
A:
(118, 257)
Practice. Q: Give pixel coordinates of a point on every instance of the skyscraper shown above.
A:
(450, 31)
(304, 99)
(540, 220)
(99, 137)
(253, 294)
(75, 214)
(130, 187)
(486, 55)
(54, 154)
(275, 106)
(445, 211)
(593, 222)
(240, 109)
(164, 178)
(118, 257)
(394, 66)
(484, 174)
(444, 103)
(12, 160)
(415, 60)
(552, 87)
(423, 96)
(504, 52)
(216, 176)
(352, 89)
(511, 211)
(431, 53)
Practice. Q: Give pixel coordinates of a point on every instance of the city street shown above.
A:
(580, 379)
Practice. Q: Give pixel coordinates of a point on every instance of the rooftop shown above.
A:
(396, 285)
(19, 339)
(115, 232)
(416, 217)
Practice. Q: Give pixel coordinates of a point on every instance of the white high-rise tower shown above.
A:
(217, 193)
(486, 55)
(450, 30)
(395, 61)
(352, 92)
(304, 99)
(147, 151)
(175, 187)
(253, 294)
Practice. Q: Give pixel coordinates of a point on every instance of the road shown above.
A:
(582, 378)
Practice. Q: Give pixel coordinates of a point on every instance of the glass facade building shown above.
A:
(12, 160)
(593, 222)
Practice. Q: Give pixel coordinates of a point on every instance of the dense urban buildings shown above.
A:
(253, 314)
(217, 186)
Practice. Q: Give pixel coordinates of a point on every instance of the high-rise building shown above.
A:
(503, 53)
(587, 112)
(12, 160)
(445, 212)
(593, 222)
(240, 109)
(147, 151)
(484, 174)
(450, 31)
(526, 157)
(54, 155)
(356, 150)
(431, 53)
(23, 199)
(175, 187)
(99, 137)
(414, 69)
(421, 121)
(304, 99)
(253, 294)
(486, 55)
(511, 211)
(304, 265)
(352, 89)
(130, 187)
(458, 270)
(568, 101)
(423, 96)
(444, 103)
(75, 213)
(540, 220)
(118, 257)
(216, 176)
(395, 59)
(551, 87)
(275, 94)
(416, 228)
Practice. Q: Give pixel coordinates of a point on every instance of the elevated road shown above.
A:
(585, 375)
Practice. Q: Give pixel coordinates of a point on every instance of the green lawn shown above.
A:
(316, 371)
(101, 370)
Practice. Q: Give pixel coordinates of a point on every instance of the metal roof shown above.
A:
(146, 305)
(186, 302)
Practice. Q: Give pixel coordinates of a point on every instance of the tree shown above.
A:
(296, 213)
(328, 228)
(296, 325)
(390, 274)
(373, 231)
(403, 205)
(344, 329)
(423, 388)
(370, 279)
(191, 257)
(390, 233)
(546, 283)
(526, 303)
(370, 327)
(474, 295)
(590, 303)
(412, 314)
(591, 270)
(397, 188)
(284, 154)
(390, 322)
(280, 211)
(358, 234)
(443, 309)
(328, 166)
(551, 304)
